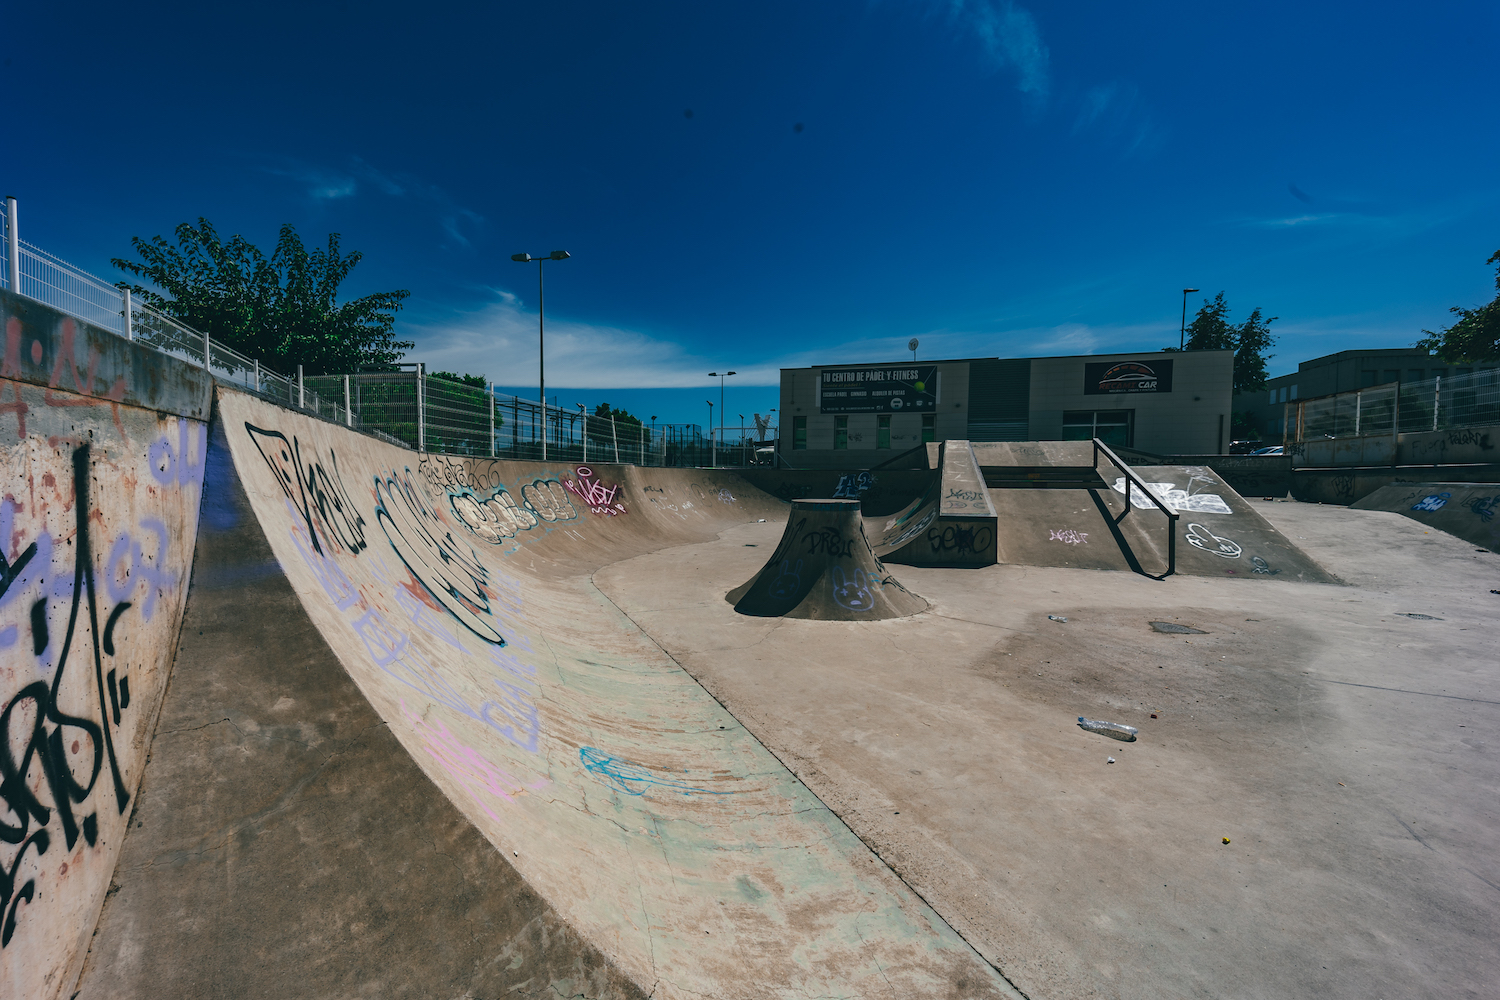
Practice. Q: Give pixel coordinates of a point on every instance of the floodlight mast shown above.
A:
(541, 326)
(720, 376)
(1182, 338)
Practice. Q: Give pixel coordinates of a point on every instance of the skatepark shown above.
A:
(293, 711)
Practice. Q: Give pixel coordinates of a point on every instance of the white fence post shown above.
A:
(421, 407)
(208, 358)
(585, 437)
(257, 374)
(129, 330)
(489, 404)
(12, 245)
(348, 411)
(301, 390)
(613, 433)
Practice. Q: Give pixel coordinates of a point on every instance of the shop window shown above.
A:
(841, 432)
(929, 428)
(1113, 427)
(799, 433)
(883, 431)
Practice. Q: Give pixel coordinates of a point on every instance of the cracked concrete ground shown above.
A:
(1344, 749)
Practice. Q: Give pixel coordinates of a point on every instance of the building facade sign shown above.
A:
(878, 390)
(1109, 378)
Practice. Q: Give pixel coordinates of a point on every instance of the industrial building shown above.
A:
(1170, 403)
(1345, 371)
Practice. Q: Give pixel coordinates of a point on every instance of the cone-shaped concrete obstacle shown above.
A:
(824, 568)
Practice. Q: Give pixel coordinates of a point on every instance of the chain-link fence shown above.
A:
(1471, 400)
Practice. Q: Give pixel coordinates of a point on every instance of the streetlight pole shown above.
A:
(1182, 338)
(721, 376)
(541, 327)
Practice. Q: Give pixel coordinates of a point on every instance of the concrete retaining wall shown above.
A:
(101, 455)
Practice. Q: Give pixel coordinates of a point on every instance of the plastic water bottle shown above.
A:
(1114, 730)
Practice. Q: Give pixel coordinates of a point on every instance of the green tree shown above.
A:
(477, 381)
(282, 310)
(621, 417)
(1211, 330)
(1476, 335)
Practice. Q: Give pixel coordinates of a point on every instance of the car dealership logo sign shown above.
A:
(1108, 378)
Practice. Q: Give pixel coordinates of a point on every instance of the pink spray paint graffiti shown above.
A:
(599, 498)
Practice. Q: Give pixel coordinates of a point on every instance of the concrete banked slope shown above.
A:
(586, 818)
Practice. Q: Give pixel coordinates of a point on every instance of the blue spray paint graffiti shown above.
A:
(624, 777)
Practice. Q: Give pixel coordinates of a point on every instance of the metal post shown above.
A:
(1358, 402)
(616, 436)
(208, 357)
(257, 374)
(348, 410)
(421, 406)
(12, 245)
(541, 351)
(585, 435)
(129, 329)
(489, 404)
(1437, 391)
(301, 390)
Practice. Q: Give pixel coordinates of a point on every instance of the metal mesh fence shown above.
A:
(1471, 400)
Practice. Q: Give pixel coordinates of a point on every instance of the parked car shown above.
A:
(1272, 450)
(1243, 447)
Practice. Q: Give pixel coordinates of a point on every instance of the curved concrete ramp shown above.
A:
(1465, 510)
(824, 569)
(642, 841)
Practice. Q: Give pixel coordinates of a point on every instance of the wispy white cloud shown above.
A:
(1010, 38)
(323, 184)
(1301, 220)
(1117, 112)
(499, 340)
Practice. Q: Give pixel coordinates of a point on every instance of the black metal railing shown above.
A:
(1134, 481)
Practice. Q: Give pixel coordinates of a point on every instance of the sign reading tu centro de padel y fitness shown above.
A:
(1108, 378)
(878, 390)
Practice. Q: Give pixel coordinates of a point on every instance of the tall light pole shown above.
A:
(1182, 338)
(721, 376)
(713, 456)
(541, 327)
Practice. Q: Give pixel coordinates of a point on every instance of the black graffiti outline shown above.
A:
(828, 541)
(329, 496)
(66, 791)
(960, 540)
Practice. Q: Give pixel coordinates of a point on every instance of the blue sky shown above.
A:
(753, 186)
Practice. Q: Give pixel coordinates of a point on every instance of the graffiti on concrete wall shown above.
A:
(1068, 536)
(1202, 538)
(1194, 499)
(599, 498)
(961, 539)
(427, 582)
(95, 541)
(852, 484)
(1436, 501)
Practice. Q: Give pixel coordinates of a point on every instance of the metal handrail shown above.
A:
(1132, 479)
